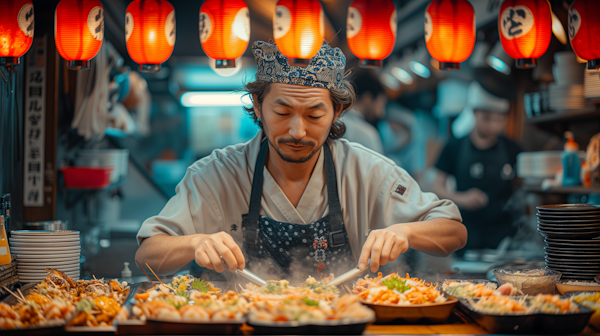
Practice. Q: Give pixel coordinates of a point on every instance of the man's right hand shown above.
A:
(217, 251)
(472, 199)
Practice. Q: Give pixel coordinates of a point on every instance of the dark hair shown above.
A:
(367, 81)
(344, 96)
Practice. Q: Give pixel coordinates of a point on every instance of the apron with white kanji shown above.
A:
(279, 250)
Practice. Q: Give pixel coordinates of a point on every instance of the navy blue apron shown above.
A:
(281, 250)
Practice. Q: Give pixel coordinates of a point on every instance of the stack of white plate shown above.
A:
(40, 249)
(591, 85)
(116, 158)
(566, 93)
(538, 165)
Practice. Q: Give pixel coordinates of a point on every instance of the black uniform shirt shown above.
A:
(492, 170)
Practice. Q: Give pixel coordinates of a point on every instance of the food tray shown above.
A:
(595, 319)
(522, 323)
(49, 330)
(329, 327)
(491, 284)
(434, 312)
(165, 327)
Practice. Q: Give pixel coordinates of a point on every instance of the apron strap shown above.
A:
(251, 232)
(337, 236)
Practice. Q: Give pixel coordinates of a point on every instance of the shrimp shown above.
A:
(194, 313)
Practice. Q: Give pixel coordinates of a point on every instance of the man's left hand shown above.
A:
(382, 246)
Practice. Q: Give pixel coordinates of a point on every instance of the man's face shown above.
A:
(489, 124)
(296, 119)
(372, 109)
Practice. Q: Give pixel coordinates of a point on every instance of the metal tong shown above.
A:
(255, 279)
(351, 274)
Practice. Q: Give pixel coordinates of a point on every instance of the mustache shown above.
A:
(297, 142)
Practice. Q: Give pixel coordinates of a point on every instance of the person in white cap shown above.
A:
(483, 163)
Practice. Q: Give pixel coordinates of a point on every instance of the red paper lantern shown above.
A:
(150, 32)
(224, 30)
(16, 30)
(450, 32)
(371, 30)
(299, 29)
(584, 31)
(525, 30)
(78, 31)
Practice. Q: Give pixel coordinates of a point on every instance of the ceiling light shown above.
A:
(390, 81)
(402, 75)
(214, 98)
(558, 29)
(419, 69)
(499, 60)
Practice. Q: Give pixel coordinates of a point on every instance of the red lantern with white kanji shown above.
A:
(150, 33)
(371, 30)
(584, 31)
(299, 28)
(525, 30)
(224, 30)
(16, 30)
(78, 31)
(450, 32)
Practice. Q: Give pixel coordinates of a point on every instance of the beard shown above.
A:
(289, 158)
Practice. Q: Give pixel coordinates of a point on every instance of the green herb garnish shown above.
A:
(85, 305)
(397, 284)
(200, 285)
(310, 302)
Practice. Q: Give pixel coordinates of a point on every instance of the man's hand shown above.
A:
(382, 246)
(215, 251)
(472, 199)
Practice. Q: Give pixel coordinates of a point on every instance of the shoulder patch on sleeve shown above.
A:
(400, 189)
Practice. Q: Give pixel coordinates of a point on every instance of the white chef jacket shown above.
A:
(374, 193)
(359, 130)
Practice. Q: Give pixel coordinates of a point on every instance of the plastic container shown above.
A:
(571, 163)
(529, 281)
(87, 177)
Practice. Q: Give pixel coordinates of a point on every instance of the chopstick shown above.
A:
(150, 268)
(13, 293)
(22, 296)
(140, 266)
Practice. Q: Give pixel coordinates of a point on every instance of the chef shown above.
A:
(297, 198)
(483, 164)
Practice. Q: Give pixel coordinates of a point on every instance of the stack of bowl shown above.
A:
(591, 85)
(37, 250)
(566, 93)
(572, 236)
(115, 158)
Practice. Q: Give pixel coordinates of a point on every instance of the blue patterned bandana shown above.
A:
(325, 70)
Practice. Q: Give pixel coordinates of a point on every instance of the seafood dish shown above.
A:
(552, 304)
(396, 290)
(463, 289)
(187, 300)
(588, 299)
(58, 299)
(497, 304)
(307, 310)
(282, 290)
(545, 312)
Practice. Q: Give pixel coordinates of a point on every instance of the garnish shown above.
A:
(310, 302)
(398, 284)
(200, 285)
